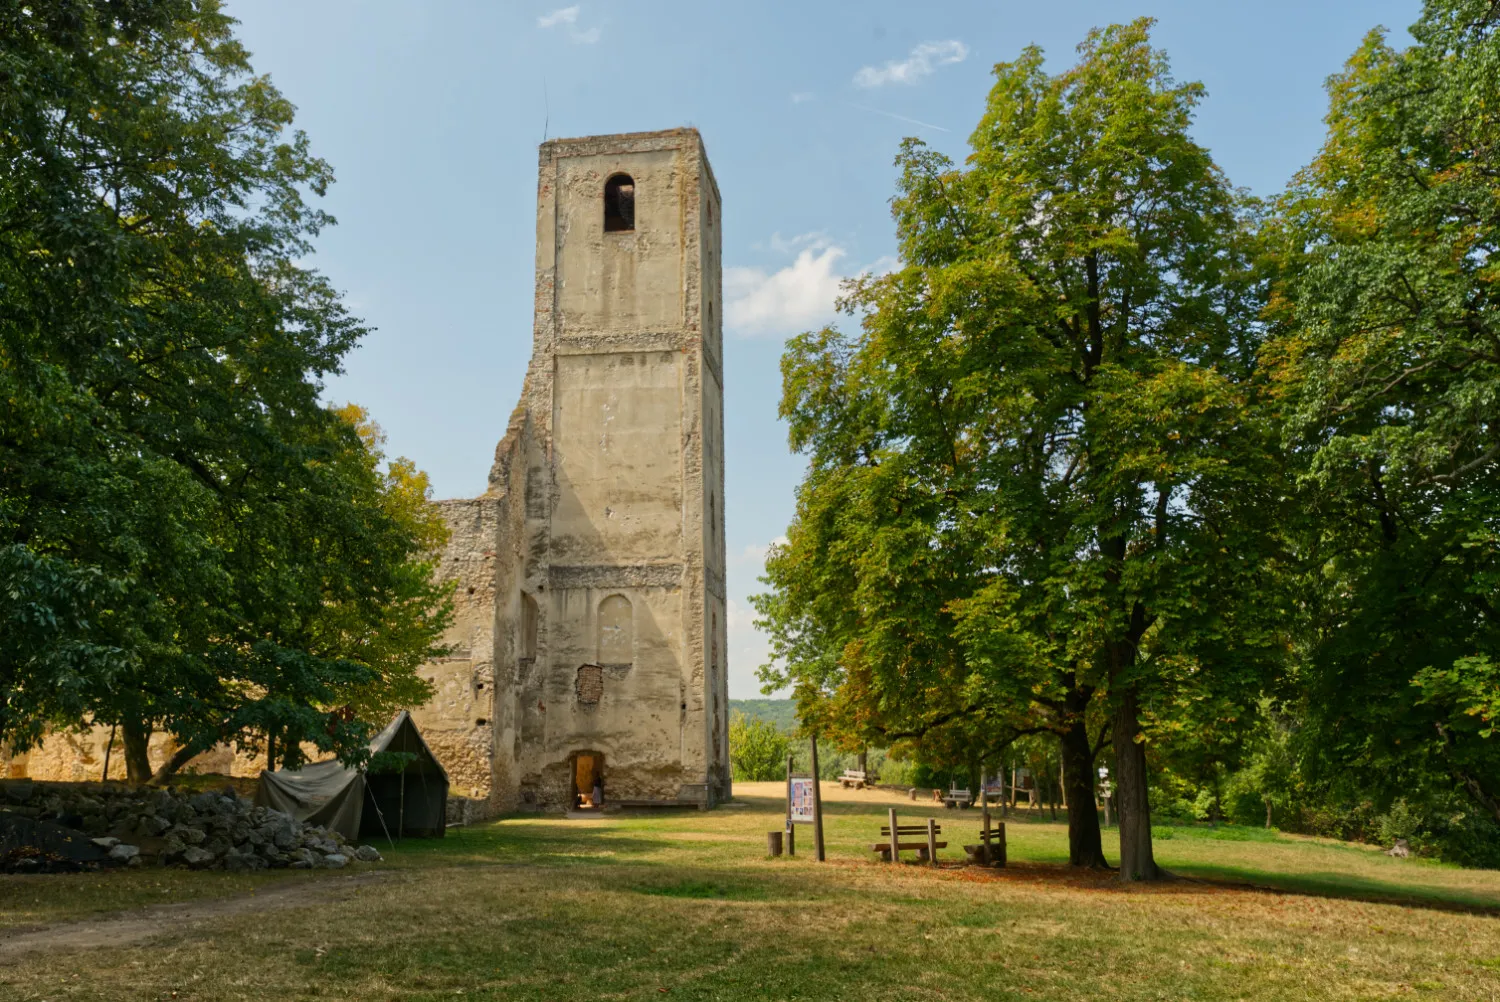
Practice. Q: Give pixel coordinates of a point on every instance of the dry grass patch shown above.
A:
(688, 906)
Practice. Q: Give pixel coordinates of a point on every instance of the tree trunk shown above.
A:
(136, 735)
(179, 758)
(1478, 793)
(1132, 802)
(1268, 811)
(1085, 846)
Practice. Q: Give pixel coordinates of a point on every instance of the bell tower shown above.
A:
(628, 317)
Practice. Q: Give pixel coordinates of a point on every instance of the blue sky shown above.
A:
(431, 113)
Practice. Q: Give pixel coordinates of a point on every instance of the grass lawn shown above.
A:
(687, 906)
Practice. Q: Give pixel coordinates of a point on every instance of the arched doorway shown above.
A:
(586, 777)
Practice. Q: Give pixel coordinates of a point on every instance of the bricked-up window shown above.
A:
(529, 617)
(589, 685)
(616, 633)
(619, 204)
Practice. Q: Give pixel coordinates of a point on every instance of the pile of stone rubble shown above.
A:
(213, 830)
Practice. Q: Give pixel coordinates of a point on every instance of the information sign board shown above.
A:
(800, 792)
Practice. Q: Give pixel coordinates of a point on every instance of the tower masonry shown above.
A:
(588, 650)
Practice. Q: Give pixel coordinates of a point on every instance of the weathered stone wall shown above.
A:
(78, 756)
(456, 722)
(607, 578)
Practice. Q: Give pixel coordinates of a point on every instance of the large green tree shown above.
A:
(1387, 355)
(1039, 475)
(189, 540)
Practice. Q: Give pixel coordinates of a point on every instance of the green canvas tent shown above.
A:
(410, 799)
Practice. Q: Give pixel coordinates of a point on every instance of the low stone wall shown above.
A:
(212, 830)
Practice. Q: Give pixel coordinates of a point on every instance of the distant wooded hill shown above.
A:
(781, 712)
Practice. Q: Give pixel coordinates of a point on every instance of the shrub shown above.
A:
(757, 749)
(1401, 822)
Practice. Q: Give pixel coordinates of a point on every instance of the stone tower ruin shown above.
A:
(589, 644)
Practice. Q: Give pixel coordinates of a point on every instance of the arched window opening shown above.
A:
(619, 204)
(529, 617)
(616, 633)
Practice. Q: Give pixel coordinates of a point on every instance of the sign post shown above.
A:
(791, 830)
(817, 802)
(804, 806)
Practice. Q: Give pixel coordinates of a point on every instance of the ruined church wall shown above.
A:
(711, 384)
(78, 756)
(620, 314)
(456, 722)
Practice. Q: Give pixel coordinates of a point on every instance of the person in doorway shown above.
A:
(598, 794)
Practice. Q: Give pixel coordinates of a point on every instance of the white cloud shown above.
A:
(801, 96)
(923, 61)
(563, 15)
(738, 617)
(797, 297)
(567, 17)
(748, 647)
(748, 650)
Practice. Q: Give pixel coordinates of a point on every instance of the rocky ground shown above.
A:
(135, 826)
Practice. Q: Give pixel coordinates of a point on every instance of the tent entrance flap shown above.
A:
(406, 797)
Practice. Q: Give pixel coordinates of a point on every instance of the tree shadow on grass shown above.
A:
(536, 842)
(1219, 880)
(1340, 886)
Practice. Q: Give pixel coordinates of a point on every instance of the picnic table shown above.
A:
(856, 778)
(957, 798)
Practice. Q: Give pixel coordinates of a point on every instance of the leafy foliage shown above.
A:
(192, 541)
(1044, 452)
(758, 749)
(1387, 361)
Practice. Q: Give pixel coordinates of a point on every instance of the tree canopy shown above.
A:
(1386, 362)
(189, 540)
(1039, 476)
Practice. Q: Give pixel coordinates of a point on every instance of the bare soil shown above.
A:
(136, 926)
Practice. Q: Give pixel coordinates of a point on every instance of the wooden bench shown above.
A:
(926, 849)
(957, 798)
(990, 849)
(853, 777)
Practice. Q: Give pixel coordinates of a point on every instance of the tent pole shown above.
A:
(378, 812)
(426, 800)
(401, 822)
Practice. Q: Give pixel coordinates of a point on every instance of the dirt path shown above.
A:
(129, 928)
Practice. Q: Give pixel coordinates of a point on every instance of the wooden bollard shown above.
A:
(895, 837)
(773, 843)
